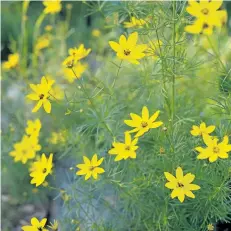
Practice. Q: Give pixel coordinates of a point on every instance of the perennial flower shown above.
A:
(181, 184)
(52, 6)
(36, 225)
(33, 127)
(90, 167)
(135, 22)
(41, 169)
(207, 15)
(202, 129)
(41, 94)
(214, 150)
(124, 150)
(127, 49)
(12, 62)
(142, 124)
(78, 69)
(154, 49)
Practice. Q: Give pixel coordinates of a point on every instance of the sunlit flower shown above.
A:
(207, 15)
(12, 62)
(25, 149)
(154, 49)
(202, 129)
(90, 167)
(127, 49)
(42, 42)
(142, 124)
(214, 150)
(52, 6)
(96, 33)
(36, 225)
(33, 127)
(41, 169)
(54, 226)
(78, 69)
(124, 150)
(135, 22)
(41, 94)
(181, 184)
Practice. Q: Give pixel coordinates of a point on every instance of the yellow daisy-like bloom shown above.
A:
(54, 226)
(78, 68)
(202, 129)
(207, 15)
(52, 6)
(142, 124)
(79, 53)
(154, 49)
(33, 127)
(214, 150)
(96, 33)
(90, 167)
(12, 62)
(124, 150)
(42, 42)
(181, 185)
(36, 225)
(127, 49)
(135, 22)
(25, 149)
(41, 94)
(41, 169)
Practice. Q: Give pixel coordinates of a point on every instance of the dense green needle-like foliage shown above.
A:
(187, 77)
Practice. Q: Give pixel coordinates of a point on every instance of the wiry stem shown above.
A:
(92, 104)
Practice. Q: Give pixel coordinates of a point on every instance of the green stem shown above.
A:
(92, 104)
(217, 54)
(117, 74)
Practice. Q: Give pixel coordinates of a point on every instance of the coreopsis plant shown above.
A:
(153, 171)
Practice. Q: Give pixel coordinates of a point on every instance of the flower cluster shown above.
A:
(26, 149)
(135, 22)
(12, 62)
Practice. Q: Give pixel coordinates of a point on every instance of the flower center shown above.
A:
(205, 11)
(91, 168)
(144, 124)
(41, 96)
(205, 26)
(216, 150)
(44, 170)
(180, 185)
(127, 148)
(127, 52)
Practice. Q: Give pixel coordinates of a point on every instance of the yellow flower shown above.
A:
(124, 150)
(52, 6)
(154, 49)
(79, 53)
(143, 124)
(42, 42)
(36, 225)
(41, 169)
(25, 149)
(90, 167)
(41, 94)
(13, 60)
(202, 129)
(78, 68)
(96, 33)
(181, 184)
(33, 127)
(207, 15)
(134, 22)
(48, 28)
(127, 49)
(214, 150)
(210, 227)
(54, 226)
(57, 137)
